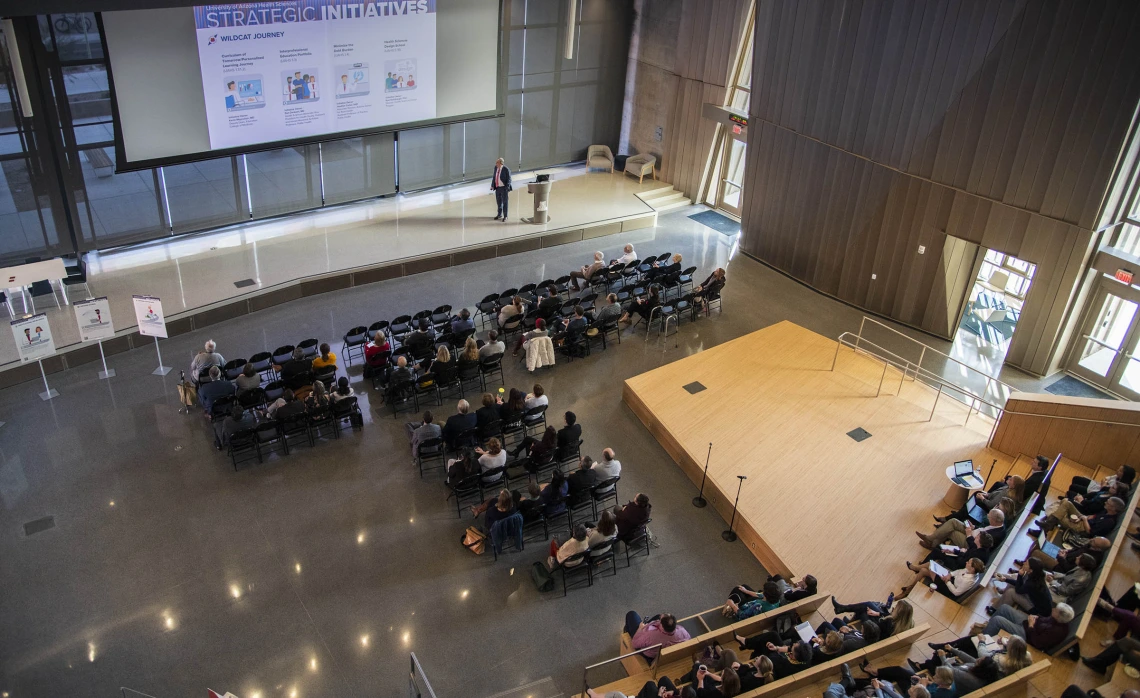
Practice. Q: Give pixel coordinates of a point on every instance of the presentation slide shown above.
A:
(276, 71)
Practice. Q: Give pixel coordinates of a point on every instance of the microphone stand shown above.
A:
(699, 501)
(730, 535)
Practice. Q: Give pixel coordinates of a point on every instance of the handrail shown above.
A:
(418, 671)
(926, 347)
(586, 671)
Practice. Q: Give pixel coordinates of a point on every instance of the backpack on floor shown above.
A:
(543, 580)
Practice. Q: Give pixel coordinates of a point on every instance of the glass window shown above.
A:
(115, 208)
(203, 195)
(358, 168)
(422, 158)
(74, 36)
(282, 181)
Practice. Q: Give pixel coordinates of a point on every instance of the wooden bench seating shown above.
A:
(1012, 685)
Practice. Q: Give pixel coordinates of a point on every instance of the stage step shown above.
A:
(664, 198)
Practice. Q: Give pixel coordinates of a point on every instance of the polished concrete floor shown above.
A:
(166, 572)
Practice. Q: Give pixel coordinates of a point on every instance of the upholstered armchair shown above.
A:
(600, 156)
(641, 165)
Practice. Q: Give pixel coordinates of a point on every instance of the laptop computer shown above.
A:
(964, 474)
(976, 513)
(1050, 549)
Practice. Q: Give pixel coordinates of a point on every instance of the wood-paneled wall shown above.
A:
(682, 65)
(881, 125)
(1091, 442)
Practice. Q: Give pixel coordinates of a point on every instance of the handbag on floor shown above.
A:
(474, 540)
(543, 580)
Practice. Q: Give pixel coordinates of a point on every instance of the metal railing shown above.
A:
(418, 684)
(586, 671)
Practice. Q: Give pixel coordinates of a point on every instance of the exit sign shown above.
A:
(737, 119)
(1123, 275)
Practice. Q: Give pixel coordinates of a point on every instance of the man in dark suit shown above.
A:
(458, 423)
(581, 480)
(569, 436)
(501, 185)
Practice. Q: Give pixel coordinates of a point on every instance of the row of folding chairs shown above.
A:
(431, 389)
(283, 434)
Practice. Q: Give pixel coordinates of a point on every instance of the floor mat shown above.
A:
(718, 222)
(1073, 387)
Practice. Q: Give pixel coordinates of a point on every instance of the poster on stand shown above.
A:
(94, 319)
(148, 313)
(33, 338)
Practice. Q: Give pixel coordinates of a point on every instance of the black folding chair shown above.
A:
(244, 443)
(430, 450)
(489, 366)
(295, 427)
(575, 565)
(354, 341)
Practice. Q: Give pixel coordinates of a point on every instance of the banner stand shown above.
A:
(49, 392)
(161, 370)
(110, 372)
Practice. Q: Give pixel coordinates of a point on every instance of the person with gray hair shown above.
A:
(608, 466)
(294, 371)
(206, 358)
(218, 387)
(1042, 632)
(960, 534)
(463, 420)
(628, 255)
(588, 270)
(501, 185)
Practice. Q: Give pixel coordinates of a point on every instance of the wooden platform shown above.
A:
(815, 501)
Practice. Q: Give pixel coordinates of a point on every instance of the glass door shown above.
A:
(1109, 342)
(731, 177)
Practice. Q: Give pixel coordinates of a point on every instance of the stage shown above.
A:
(815, 501)
(285, 258)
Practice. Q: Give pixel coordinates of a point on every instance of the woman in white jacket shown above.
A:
(954, 583)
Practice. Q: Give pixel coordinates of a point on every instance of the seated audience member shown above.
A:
(658, 630)
(710, 684)
(1067, 559)
(1012, 486)
(504, 506)
(294, 372)
(663, 687)
(769, 599)
(632, 517)
(286, 406)
(248, 380)
(1085, 486)
(204, 359)
(1065, 515)
(538, 451)
(552, 496)
(537, 398)
(513, 407)
(605, 530)
(442, 366)
(237, 420)
(462, 322)
(755, 673)
(790, 660)
(318, 400)
(953, 584)
(419, 432)
(609, 311)
(1094, 503)
(569, 436)
(627, 256)
(342, 390)
(488, 414)
(510, 310)
(587, 271)
(1126, 648)
(375, 350)
(1042, 632)
(325, 358)
(538, 331)
(1037, 471)
(216, 388)
(1028, 590)
(607, 467)
(969, 676)
(963, 535)
(470, 353)
(494, 457)
(791, 592)
(580, 481)
(980, 547)
(549, 306)
(493, 347)
(1066, 587)
(709, 288)
(420, 341)
(660, 271)
(559, 554)
(577, 325)
(399, 373)
(643, 306)
(458, 423)
(892, 618)
(1127, 621)
(463, 466)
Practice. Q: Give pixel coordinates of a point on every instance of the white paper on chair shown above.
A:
(33, 338)
(805, 632)
(938, 569)
(148, 313)
(94, 319)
